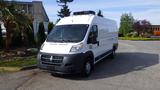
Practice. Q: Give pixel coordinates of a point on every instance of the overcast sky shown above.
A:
(140, 9)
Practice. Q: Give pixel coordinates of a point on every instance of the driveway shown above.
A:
(135, 67)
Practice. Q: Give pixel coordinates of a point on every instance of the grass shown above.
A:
(139, 39)
(17, 63)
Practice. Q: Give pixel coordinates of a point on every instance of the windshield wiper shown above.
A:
(69, 40)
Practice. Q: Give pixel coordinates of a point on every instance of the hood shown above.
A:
(57, 48)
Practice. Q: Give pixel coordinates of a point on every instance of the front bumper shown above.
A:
(61, 63)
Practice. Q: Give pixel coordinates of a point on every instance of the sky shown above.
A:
(113, 9)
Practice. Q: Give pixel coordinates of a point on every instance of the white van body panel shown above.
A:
(107, 36)
(79, 19)
(58, 48)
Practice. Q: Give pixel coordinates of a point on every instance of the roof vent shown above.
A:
(84, 13)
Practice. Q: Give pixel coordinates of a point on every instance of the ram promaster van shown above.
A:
(77, 43)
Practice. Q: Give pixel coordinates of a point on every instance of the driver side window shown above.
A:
(93, 35)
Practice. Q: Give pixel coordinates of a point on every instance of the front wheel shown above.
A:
(87, 69)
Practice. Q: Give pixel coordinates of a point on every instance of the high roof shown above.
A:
(76, 19)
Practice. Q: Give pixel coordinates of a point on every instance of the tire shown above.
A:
(112, 55)
(55, 74)
(87, 68)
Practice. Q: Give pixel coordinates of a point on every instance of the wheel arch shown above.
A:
(89, 54)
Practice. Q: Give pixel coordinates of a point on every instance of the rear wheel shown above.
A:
(112, 55)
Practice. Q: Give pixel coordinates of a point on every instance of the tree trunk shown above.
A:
(8, 37)
(8, 40)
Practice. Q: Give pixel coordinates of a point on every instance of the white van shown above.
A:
(77, 43)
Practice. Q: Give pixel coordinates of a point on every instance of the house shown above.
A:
(155, 29)
(37, 11)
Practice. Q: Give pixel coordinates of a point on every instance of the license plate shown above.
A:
(51, 67)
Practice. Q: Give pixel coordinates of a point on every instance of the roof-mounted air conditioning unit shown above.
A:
(84, 13)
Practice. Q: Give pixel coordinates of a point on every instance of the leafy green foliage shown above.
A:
(41, 34)
(132, 34)
(126, 24)
(16, 39)
(30, 36)
(15, 21)
(64, 10)
(50, 26)
(139, 38)
(100, 13)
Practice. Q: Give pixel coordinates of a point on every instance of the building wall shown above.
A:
(36, 9)
(155, 29)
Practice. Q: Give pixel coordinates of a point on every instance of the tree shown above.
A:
(64, 10)
(126, 24)
(8, 19)
(141, 27)
(24, 27)
(30, 36)
(14, 20)
(50, 27)
(137, 27)
(100, 13)
(145, 24)
(41, 34)
(1, 44)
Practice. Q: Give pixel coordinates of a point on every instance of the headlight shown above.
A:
(76, 48)
(42, 46)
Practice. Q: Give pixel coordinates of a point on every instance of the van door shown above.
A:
(94, 42)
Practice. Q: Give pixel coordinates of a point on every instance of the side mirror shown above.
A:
(92, 39)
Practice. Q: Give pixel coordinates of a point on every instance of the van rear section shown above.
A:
(77, 43)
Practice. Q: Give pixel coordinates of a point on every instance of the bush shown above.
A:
(16, 39)
(132, 34)
(147, 35)
(41, 36)
(128, 35)
(50, 27)
(139, 39)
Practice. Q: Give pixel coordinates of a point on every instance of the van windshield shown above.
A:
(68, 33)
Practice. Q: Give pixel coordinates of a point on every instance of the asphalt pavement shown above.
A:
(135, 67)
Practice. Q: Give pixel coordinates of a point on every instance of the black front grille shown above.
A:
(51, 60)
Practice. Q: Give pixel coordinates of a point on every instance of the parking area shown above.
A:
(135, 67)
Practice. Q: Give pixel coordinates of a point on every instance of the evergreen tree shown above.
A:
(30, 36)
(100, 13)
(126, 24)
(50, 27)
(64, 10)
(41, 34)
